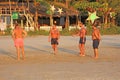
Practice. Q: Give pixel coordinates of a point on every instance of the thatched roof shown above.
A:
(41, 9)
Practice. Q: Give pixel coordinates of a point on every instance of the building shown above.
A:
(33, 14)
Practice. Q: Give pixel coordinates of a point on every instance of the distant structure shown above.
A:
(30, 13)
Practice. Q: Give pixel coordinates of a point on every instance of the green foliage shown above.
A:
(67, 32)
(8, 31)
(40, 32)
(38, 0)
(110, 31)
(84, 5)
(74, 31)
(44, 3)
(89, 28)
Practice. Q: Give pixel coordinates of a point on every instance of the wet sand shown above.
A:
(41, 64)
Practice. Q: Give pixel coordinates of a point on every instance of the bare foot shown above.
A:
(80, 54)
(54, 53)
(23, 58)
(83, 55)
(95, 57)
(18, 59)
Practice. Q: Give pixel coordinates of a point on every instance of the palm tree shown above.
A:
(11, 22)
(109, 9)
(36, 16)
(67, 17)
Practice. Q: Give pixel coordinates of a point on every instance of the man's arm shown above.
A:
(58, 34)
(25, 33)
(49, 36)
(13, 35)
(83, 33)
(97, 34)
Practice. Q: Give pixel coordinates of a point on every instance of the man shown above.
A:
(18, 35)
(54, 36)
(96, 39)
(2, 26)
(82, 35)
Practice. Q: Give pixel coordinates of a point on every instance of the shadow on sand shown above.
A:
(37, 49)
(68, 51)
(7, 53)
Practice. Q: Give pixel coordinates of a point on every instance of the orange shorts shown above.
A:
(19, 42)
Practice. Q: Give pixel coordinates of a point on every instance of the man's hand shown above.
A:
(48, 39)
(73, 35)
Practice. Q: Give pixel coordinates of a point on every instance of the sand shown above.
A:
(41, 64)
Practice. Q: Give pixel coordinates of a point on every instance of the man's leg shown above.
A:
(55, 49)
(18, 53)
(53, 46)
(83, 49)
(80, 48)
(95, 53)
(23, 53)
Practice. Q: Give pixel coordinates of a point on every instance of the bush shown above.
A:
(40, 32)
(110, 31)
(67, 32)
(8, 31)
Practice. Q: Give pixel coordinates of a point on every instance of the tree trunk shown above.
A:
(106, 20)
(67, 2)
(36, 21)
(67, 16)
(51, 20)
(77, 20)
(28, 5)
(67, 21)
(113, 21)
(36, 16)
(55, 0)
(11, 21)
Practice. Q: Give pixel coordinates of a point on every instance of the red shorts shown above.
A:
(19, 42)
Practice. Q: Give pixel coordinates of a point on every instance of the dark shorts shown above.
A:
(81, 40)
(95, 43)
(54, 41)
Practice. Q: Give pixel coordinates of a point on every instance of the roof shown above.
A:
(41, 9)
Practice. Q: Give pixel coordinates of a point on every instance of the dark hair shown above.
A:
(80, 23)
(96, 23)
(16, 25)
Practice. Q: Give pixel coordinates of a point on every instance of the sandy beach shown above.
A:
(41, 64)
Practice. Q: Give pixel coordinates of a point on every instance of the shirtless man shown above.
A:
(18, 35)
(2, 26)
(82, 35)
(54, 36)
(96, 39)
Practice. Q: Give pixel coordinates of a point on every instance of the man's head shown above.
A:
(80, 24)
(17, 26)
(94, 26)
(96, 23)
(54, 27)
